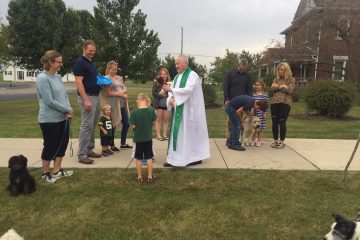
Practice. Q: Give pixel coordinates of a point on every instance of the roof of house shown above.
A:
(307, 6)
(337, 3)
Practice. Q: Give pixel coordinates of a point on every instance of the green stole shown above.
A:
(174, 130)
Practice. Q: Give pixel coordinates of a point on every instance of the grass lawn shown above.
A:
(299, 124)
(183, 204)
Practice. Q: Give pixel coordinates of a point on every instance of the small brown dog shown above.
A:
(248, 129)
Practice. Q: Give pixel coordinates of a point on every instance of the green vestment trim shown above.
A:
(179, 109)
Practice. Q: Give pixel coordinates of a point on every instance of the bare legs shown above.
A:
(165, 125)
(162, 118)
(149, 168)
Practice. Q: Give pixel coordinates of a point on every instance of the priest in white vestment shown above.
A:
(189, 139)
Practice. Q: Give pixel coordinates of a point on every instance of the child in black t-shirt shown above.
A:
(106, 130)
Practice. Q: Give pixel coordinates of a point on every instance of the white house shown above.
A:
(13, 73)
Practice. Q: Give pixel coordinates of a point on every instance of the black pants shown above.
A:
(56, 139)
(124, 130)
(279, 115)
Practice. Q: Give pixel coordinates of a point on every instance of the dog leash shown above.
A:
(71, 149)
(132, 134)
(67, 124)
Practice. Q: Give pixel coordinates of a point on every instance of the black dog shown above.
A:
(20, 179)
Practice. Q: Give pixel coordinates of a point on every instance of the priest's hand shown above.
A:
(166, 88)
(172, 101)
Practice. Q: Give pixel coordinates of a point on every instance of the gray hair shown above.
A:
(243, 61)
(184, 58)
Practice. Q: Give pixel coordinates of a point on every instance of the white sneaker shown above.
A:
(48, 178)
(257, 144)
(62, 173)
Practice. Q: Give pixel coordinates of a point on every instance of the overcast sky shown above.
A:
(210, 26)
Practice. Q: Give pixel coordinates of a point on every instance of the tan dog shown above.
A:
(248, 128)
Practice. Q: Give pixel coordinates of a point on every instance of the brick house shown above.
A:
(321, 43)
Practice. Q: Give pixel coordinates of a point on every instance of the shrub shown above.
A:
(296, 96)
(209, 94)
(329, 98)
(298, 93)
(268, 79)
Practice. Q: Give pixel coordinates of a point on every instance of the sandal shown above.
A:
(275, 144)
(152, 179)
(140, 180)
(125, 146)
(280, 145)
(160, 138)
(165, 138)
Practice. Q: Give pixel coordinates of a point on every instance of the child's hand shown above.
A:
(125, 96)
(105, 132)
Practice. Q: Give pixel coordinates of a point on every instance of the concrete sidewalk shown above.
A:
(299, 154)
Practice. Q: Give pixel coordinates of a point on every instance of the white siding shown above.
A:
(12, 73)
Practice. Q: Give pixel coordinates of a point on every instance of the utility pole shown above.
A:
(182, 39)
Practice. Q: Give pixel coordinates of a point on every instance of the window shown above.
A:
(8, 73)
(338, 70)
(342, 28)
(303, 72)
(263, 70)
(339, 67)
(30, 74)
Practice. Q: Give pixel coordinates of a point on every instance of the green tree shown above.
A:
(201, 70)
(4, 41)
(169, 63)
(221, 66)
(121, 35)
(37, 26)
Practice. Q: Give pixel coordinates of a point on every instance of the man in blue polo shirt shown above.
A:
(89, 102)
(234, 110)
